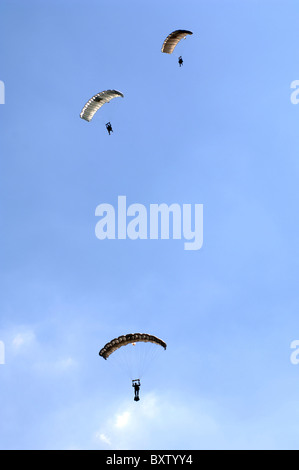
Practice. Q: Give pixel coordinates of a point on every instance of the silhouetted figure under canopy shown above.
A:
(136, 385)
(109, 127)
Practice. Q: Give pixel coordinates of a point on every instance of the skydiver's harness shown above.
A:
(136, 384)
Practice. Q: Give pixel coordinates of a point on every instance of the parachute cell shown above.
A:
(97, 101)
(124, 340)
(173, 39)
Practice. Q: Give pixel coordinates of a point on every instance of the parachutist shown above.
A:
(181, 62)
(129, 342)
(136, 384)
(109, 127)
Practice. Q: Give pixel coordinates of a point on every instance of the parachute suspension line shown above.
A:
(141, 357)
(122, 360)
(146, 353)
(149, 358)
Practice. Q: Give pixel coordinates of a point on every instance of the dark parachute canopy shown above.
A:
(97, 101)
(173, 39)
(124, 340)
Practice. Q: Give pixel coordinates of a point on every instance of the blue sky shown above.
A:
(221, 132)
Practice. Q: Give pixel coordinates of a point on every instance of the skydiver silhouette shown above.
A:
(136, 384)
(181, 62)
(109, 127)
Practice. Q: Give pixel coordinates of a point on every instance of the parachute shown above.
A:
(173, 39)
(124, 340)
(97, 101)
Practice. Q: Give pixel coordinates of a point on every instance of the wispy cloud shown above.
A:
(103, 438)
(23, 340)
(148, 421)
(123, 419)
(24, 343)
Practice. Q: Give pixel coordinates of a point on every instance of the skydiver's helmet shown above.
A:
(136, 399)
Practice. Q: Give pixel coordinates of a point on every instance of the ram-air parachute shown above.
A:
(97, 101)
(133, 353)
(173, 39)
(124, 340)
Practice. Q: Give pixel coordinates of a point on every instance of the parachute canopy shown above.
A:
(124, 340)
(97, 101)
(173, 39)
